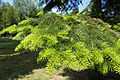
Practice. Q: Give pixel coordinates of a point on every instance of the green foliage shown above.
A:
(8, 15)
(75, 41)
(11, 16)
(22, 29)
(62, 5)
(21, 10)
(25, 8)
(117, 27)
(107, 10)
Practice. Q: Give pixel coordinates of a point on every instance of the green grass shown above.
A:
(4, 40)
(13, 64)
(21, 66)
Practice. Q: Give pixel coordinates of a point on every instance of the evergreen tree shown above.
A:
(107, 10)
(77, 41)
(0, 2)
(96, 8)
(3, 20)
(11, 17)
(64, 5)
(30, 8)
(18, 8)
(25, 8)
(21, 9)
(0, 18)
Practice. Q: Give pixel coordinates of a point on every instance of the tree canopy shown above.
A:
(107, 10)
(61, 4)
(20, 10)
(77, 41)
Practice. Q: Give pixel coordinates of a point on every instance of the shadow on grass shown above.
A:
(89, 75)
(13, 66)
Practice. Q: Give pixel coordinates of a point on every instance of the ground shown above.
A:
(23, 65)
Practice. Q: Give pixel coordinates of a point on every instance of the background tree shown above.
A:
(3, 24)
(8, 16)
(0, 2)
(17, 5)
(111, 11)
(107, 10)
(96, 8)
(21, 9)
(25, 8)
(11, 16)
(30, 8)
(64, 5)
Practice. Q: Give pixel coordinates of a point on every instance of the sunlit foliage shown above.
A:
(75, 41)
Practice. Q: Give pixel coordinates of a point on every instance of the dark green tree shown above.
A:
(107, 10)
(63, 5)
(96, 8)
(3, 20)
(111, 11)
(30, 8)
(18, 7)
(25, 8)
(0, 17)
(11, 16)
(21, 9)
(0, 2)
(8, 15)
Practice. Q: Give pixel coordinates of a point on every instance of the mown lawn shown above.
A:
(22, 65)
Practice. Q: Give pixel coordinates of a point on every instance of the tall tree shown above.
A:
(107, 10)
(96, 8)
(3, 25)
(111, 11)
(0, 2)
(8, 15)
(61, 4)
(11, 17)
(0, 17)
(25, 8)
(3, 6)
(18, 8)
(21, 9)
(30, 8)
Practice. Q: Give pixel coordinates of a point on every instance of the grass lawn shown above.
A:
(23, 66)
(16, 66)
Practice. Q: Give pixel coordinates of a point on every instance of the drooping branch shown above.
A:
(50, 5)
(61, 4)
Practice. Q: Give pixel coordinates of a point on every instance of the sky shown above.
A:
(10, 1)
(85, 3)
(81, 7)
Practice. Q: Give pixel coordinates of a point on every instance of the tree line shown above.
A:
(107, 10)
(20, 10)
